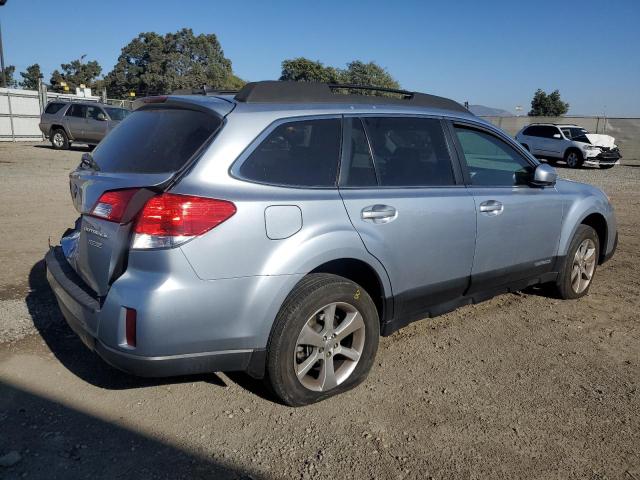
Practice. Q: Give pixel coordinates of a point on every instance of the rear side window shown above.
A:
(300, 153)
(53, 108)
(154, 140)
(409, 152)
(531, 132)
(358, 170)
(77, 111)
(94, 112)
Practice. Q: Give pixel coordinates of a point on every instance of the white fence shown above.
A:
(20, 112)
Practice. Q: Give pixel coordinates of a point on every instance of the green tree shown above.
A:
(372, 74)
(76, 73)
(7, 75)
(304, 70)
(30, 77)
(550, 105)
(158, 64)
(357, 73)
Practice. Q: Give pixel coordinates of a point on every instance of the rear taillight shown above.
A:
(112, 204)
(167, 220)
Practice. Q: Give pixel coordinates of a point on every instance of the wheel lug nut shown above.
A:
(328, 354)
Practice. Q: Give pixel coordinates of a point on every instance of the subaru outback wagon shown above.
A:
(280, 231)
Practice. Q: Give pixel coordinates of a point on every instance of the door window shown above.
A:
(491, 161)
(93, 112)
(300, 153)
(358, 170)
(409, 151)
(79, 111)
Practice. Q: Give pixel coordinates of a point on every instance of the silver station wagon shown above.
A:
(282, 230)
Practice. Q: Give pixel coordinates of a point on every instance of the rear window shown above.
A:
(300, 153)
(155, 140)
(53, 108)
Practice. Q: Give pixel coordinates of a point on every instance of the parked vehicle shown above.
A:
(571, 143)
(84, 122)
(280, 231)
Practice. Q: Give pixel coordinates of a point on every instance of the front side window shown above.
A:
(301, 153)
(409, 151)
(491, 161)
(94, 112)
(79, 111)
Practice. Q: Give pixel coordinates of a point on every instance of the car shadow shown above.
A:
(45, 439)
(78, 359)
(73, 148)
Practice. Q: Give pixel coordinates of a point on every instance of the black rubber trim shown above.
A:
(608, 256)
(59, 270)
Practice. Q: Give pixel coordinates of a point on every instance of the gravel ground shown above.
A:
(522, 386)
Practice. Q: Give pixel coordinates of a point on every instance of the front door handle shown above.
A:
(491, 207)
(379, 213)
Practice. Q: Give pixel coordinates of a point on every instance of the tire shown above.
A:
(298, 372)
(59, 139)
(607, 167)
(566, 285)
(573, 158)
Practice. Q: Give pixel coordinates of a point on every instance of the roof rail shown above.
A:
(275, 91)
(204, 90)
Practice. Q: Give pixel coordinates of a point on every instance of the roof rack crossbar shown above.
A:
(351, 86)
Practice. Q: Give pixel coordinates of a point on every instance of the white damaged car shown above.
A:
(571, 143)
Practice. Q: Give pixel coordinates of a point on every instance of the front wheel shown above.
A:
(324, 340)
(574, 159)
(580, 264)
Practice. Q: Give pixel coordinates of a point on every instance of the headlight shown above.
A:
(591, 147)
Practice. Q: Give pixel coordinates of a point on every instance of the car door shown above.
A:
(554, 142)
(405, 197)
(518, 225)
(75, 119)
(96, 126)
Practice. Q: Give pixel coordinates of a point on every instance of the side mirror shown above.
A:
(557, 135)
(102, 117)
(544, 176)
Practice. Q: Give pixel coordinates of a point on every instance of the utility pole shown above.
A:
(4, 79)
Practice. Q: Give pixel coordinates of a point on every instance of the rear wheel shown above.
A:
(573, 158)
(59, 139)
(324, 340)
(580, 264)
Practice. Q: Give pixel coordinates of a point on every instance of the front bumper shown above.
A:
(81, 309)
(609, 157)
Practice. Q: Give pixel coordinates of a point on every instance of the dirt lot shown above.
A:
(522, 386)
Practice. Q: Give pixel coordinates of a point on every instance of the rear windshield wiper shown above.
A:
(88, 162)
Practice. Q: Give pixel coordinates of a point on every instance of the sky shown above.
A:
(494, 53)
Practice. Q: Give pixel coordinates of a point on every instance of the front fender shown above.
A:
(582, 201)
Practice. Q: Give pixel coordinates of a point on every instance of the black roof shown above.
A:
(313, 92)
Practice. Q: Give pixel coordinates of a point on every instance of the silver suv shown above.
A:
(83, 122)
(571, 143)
(280, 231)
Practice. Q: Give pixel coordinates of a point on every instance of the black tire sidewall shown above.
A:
(309, 296)
(565, 289)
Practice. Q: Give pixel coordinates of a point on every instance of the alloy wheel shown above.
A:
(329, 346)
(572, 159)
(584, 264)
(58, 139)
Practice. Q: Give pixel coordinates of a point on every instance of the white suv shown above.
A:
(575, 145)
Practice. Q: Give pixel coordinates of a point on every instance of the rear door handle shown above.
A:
(379, 213)
(491, 207)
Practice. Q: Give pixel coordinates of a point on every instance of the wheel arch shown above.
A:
(366, 276)
(59, 126)
(599, 224)
(587, 215)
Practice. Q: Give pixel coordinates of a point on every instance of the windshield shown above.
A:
(117, 114)
(576, 133)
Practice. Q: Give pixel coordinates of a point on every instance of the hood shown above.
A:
(600, 140)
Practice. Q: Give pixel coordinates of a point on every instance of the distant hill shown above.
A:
(483, 111)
